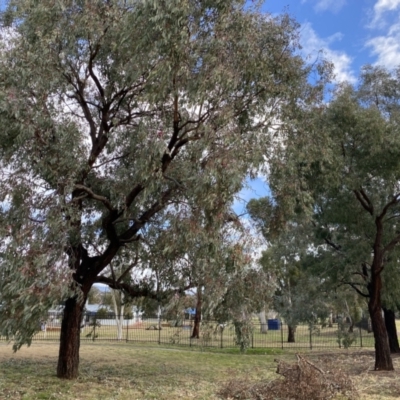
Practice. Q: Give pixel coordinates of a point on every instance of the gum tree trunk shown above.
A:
(263, 322)
(197, 316)
(291, 334)
(68, 358)
(383, 360)
(391, 329)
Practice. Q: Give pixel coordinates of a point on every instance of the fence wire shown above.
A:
(274, 334)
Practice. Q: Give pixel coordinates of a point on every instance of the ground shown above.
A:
(135, 371)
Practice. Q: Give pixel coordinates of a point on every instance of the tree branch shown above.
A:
(145, 217)
(94, 196)
(354, 286)
(122, 276)
(366, 204)
(388, 205)
(333, 245)
(390, 246)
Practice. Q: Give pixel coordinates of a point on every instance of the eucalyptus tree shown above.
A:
(114, 112)
(345, 172)
(299, 295)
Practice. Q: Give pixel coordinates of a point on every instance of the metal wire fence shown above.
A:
(273, 334)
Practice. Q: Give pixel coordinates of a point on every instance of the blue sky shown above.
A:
(351, 33)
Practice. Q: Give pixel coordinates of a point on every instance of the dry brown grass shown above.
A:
(297, 381)
(126, 371)
(323, 375)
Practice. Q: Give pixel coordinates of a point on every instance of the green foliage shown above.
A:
(243, 332)
(340, 169)
(129, 127)
(93, 326)
(103, 313)
(345, 337)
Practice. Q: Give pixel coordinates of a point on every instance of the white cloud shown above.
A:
(380, 8)
(312, 44)
(386, 46)
(327, 5)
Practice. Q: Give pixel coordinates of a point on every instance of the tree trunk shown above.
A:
(68, 358)
(263, 322)
(383, 360)
(390, 323)
(291, 333)
(197, 316)
(119, 312)
(330, 320)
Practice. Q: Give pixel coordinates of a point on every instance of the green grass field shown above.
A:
(137, 371)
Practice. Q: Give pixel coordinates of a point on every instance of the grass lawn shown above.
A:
(137, 371)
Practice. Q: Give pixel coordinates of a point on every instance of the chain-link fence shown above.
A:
(272, 334)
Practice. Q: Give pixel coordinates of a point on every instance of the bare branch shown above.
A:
(128, 269)
(145, 217)
(393, 202)
(392, 244)
(95, 196)
(364, 203)
(354, 286)
(333, 245)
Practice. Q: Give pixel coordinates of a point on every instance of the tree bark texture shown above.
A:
(68, 358)
(197, 316)
(263, 322)
(391, 329)
(383, 360)
(291, 334)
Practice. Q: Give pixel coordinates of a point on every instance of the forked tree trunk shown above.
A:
(291, 333)
(383, 360)
(197, 316)
(68, 358)
(391, 329)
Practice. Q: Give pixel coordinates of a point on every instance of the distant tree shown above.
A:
(342, 168)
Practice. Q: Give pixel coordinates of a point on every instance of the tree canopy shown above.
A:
(123, 118)
(340, 169)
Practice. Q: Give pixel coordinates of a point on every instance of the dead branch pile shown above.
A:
(298, 381)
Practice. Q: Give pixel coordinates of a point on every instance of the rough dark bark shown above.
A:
(383, 360)
(291, 334)
(68, 358)
(197, 316)
(391, 329)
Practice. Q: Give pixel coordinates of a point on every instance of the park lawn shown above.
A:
(133, 371)
(125, 371)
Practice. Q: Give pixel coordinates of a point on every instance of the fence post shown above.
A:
(94, 327)
(282, 334)
(311, 327)
(159, 328)
(361, 344)
(127, 330)
(222, 335)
